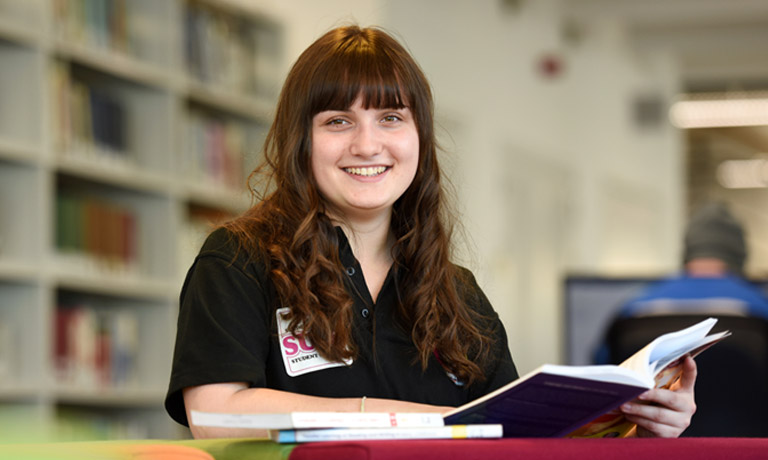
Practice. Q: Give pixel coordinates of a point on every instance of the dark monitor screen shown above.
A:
(590, 303)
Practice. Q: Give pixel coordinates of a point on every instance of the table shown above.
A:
(518, 449)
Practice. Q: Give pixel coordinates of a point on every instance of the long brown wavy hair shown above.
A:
(288, 229)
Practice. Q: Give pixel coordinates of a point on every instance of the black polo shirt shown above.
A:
(228, 331)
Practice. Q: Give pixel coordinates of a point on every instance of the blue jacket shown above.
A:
(729, 295)
(684, 294)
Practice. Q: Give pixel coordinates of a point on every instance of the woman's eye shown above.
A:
(391, 118)
(337, 121)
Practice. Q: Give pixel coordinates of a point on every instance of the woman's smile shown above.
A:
(366, 171)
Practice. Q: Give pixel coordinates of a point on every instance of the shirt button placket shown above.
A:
(365, 313)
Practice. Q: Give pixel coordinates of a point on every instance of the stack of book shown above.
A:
(295, 427)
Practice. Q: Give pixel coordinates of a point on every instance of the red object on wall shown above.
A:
(551, 65)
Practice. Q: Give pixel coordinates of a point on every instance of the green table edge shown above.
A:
(220, 449)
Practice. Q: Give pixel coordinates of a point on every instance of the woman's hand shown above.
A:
(665, 413)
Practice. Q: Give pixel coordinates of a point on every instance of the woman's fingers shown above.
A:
(665, 413)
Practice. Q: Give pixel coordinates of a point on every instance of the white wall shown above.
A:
(307, 20)
(552, 173)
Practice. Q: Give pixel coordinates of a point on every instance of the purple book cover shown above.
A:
(547, 406)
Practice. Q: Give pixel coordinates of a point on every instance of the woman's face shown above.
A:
(364, 159)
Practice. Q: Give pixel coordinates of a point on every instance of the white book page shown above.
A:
(671, 343)
(662, 363)
(666, 345)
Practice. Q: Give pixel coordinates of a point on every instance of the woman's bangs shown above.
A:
(339, 86)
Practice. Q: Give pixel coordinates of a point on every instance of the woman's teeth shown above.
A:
(366, 172)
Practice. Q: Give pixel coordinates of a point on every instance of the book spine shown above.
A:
(104, 233)
(219, 49)
(215, 150)
(359, 434)
(95, 348)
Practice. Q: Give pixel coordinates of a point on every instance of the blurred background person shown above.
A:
(712, 280)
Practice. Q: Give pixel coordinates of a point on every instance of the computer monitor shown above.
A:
(590, 303)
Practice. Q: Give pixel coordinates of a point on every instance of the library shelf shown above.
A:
(109, 181)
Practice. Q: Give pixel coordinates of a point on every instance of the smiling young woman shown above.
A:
(348, 253)
(336, 290)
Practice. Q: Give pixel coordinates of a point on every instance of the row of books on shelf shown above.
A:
(96, 347)
(215, 149)
(87, 119)
(98, 232)
(98, 23)
(228, 51)
(91, 122)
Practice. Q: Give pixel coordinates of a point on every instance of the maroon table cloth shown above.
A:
(538, 449)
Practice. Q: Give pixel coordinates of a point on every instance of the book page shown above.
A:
(673, 342)
(668, 346)
(692, 349)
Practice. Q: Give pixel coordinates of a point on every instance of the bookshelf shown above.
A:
(127, 127)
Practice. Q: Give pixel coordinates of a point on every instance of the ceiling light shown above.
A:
(716, 110)
(743, 173)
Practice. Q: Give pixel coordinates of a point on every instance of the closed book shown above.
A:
(366, 434)
(318, 420)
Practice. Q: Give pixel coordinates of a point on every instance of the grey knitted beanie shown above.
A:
(714, 232)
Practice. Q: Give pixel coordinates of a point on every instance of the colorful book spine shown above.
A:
(221, 49)
(97, 23)
(87, 119)
(364, 434)
(215, 150)
(95, 348)
(102, 232)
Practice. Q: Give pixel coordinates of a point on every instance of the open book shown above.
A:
(582, 401)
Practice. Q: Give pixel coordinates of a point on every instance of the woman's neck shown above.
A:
(371, 242)
(370, 239)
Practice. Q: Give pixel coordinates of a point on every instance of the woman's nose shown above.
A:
(366, 140)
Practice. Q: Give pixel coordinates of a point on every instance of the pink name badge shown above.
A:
(299, 356)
